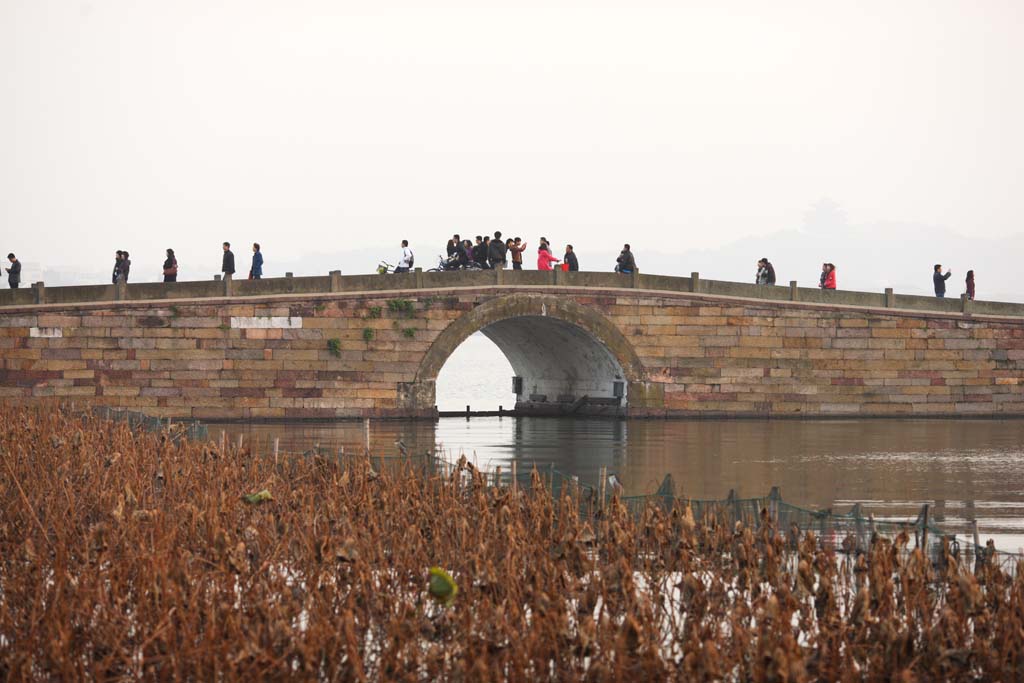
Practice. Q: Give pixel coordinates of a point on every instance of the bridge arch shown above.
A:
(570, 357)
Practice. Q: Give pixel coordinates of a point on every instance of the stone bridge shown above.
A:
(592, 343)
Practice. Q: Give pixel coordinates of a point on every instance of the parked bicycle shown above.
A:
(384, 268)
(447, 264)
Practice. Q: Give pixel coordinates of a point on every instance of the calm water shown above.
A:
(966, 469)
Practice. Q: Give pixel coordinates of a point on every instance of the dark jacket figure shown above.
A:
(170, 267)
(939, 280)
(118, 259)
(970, 285)
(14, 272)
(256, 271)
(625, 263)
(227, 265)
(480, 253)
(496, 252)
(452, 249)
(126, 266)
(570, 259)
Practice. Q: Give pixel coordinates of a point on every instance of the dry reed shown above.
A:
(129, 556)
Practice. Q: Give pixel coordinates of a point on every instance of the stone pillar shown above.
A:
(336, 280)
(966, 305)
(418, 272)
(559, 276)
(694, 282)
(227, 284)
(890, 298)
(120, 290)
(499, 275)
(635, 284)
(794, 294)
(40, 290)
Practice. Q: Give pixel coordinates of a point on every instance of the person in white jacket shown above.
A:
(406, 261)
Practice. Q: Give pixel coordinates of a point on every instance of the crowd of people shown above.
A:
(485, 253)
(488, 253)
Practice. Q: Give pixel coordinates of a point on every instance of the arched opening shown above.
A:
(566, 358)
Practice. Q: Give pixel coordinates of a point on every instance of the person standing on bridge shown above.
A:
(545, 258)
(406, 260)
(227, 264)
(970, 285)
(828, 276)
(14, 272)
(625, 263)
(256, 269)
(454, 244)
(496, 252)
(939, 280)
(170, 267)
(126, 266)
(569, 261)
(118, 258)
(517, 249)
(480, 252)
(765, 272)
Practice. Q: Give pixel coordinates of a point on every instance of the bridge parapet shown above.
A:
(419, 280)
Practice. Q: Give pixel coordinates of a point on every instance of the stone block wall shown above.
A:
(361, 354)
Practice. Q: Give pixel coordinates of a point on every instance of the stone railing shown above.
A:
(335, 282)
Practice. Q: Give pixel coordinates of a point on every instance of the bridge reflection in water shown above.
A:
(967, 469)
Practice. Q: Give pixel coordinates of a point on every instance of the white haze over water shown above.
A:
(883, 137)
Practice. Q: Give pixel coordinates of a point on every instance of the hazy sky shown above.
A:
(318, 127)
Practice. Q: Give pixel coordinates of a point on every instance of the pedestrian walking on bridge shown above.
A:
(256, 270)
(227, 264)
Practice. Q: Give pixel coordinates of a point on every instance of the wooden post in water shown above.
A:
(467, 412)
(240, 437)
(515, 479)
(603, 475)
(366, 435)
(924, 530)
(277, 442)
(223, 440)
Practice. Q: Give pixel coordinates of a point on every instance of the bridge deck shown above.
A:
(39, 296)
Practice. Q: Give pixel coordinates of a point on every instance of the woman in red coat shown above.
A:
(545, 258)
(830, 277)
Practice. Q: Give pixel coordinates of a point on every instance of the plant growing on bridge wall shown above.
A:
(374, 312)
(402, 306)
(367, 334)
(409, 332)
(334, 346)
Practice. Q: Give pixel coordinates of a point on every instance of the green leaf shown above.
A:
(256, 498)
(442, 586)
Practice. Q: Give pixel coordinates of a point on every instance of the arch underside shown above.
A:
(563, 368)
(570, 357)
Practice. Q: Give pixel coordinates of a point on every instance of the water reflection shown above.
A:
(966, 469)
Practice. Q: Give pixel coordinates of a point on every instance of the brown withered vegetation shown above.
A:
(134, 556)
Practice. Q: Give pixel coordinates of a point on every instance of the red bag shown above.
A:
(565, 267)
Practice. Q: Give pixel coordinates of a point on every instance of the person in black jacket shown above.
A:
(227, 266)
(14, 272)
(170, 267)
(939, 280)
(625, 263)
(570, 258)
(496, 251)
(118, 258)
(480, 252)
(126, 266)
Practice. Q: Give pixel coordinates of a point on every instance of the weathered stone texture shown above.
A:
(352, 355)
